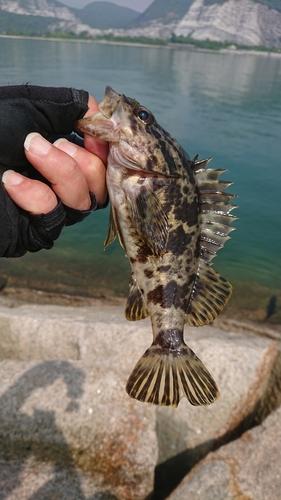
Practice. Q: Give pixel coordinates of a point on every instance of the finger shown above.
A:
(91, 166)
(97, 147)
(30, 195)
(93, 106)
(60, 169)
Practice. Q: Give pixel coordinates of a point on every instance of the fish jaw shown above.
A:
(108, 121)
(99, 127)
(140, 143)
(108, 130)
(101, 124)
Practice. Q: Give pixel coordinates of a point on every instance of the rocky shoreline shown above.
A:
(69, 430)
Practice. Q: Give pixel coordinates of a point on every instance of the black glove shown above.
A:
(52, 113)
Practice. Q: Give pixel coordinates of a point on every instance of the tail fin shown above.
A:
(163, 376)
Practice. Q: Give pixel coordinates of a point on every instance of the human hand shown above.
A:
(51, 185)
(71, 170)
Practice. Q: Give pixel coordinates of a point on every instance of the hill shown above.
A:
(16, 24)
(240, 22)
(165, 11)
(105, 15)
(35, 16)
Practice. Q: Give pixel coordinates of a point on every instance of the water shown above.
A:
(221, 105)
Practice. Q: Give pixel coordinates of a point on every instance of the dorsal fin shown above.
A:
(215, 217)
(199, 164)
(211, 291)
(210, 294)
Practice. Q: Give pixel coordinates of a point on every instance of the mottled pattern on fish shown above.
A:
(171, 215)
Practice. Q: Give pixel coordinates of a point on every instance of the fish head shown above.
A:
(135, 138)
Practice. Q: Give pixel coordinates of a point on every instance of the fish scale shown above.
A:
(171, 215)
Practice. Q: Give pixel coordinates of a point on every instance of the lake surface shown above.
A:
(221, 105)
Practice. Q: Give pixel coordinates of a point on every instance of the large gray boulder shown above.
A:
(67, 426)
(70, 427)
(248, 468)
(241, 365)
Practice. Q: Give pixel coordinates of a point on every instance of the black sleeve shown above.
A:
(51, 112)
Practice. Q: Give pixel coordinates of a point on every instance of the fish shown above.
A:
(171, 215)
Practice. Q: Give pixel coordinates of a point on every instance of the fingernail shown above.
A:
(12, 178)
(35, 143)
(66, 146)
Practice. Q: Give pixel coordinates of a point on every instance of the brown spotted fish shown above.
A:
(171, 215)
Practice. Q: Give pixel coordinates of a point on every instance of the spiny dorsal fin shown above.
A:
(150, 221)
(215, 217)
(135, 307)
(199, 164)
(163, 376)
(210, 291)
(113, 230)
(210, 294)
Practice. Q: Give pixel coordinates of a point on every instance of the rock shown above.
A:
(70, 428)
(39, 8)
(241, 365)
(3, 282)
(35, 480)
(249, 468)
(64, 412)
(244, 22)
(31, 332)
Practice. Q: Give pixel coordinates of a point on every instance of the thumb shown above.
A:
(30, 195)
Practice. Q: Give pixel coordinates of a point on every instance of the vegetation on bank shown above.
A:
(173, 41)
(136, 39)
(213, 45)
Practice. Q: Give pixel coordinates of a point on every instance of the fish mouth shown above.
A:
(99, 127)
(108, 125)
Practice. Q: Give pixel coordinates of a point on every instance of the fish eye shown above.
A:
(144, 115)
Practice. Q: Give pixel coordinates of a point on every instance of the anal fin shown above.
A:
(135, 307)
(163, 376)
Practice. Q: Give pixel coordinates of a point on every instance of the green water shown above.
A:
(221, 105)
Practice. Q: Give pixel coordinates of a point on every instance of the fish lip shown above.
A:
(97, 125)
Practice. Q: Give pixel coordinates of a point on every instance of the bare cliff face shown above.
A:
(44, 8)
(239, 21)
(242, 22)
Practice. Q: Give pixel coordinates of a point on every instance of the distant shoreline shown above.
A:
(169, 46)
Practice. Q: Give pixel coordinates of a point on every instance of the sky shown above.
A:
(139, 5)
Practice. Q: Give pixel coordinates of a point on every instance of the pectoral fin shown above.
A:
(150, 221)
(113, 230)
